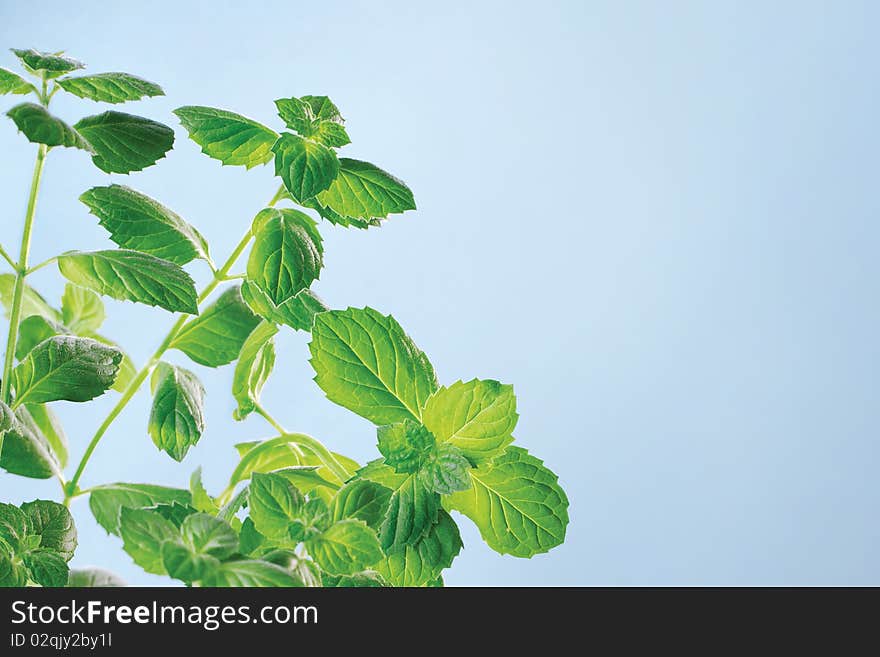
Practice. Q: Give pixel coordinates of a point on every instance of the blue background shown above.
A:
(657, 220)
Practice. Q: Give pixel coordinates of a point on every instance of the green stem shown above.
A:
(127, 395)
(6, 257)
(271, 420)
(45, 263)
(80, 493)
(141, 376)
(280, 195)
(20, 273)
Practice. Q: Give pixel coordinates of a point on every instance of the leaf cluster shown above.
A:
(37, 539)
(294, 513)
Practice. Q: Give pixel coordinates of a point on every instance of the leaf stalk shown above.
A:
(8, 259)
(45, 263)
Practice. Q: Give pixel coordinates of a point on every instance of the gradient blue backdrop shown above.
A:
(658, 220)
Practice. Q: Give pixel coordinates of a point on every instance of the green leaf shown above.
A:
(330, 134)
(50, 428)
(93, 578)
(177, 418)
(111, 87)
(516, 503)
(53, 64)
(127, 369)
(228, 511)
(217, 335)
(287, 253)
(13, 526)
(338, 219)
(65, 367)
(312, 518)
(364, 579)
(265, 456)
(40, 127)
(365, 362)
(81, 310)
(136, 221)
(307, 480)
(12, 572)
(381, 473)
(365, 191)
(31, 301)
(53, 523)
(200, 498)
(249, 573)
(296, 114)
(306, 167)
(12, 83)
(412, 510)
(405, 445)
(132, 276)
(124, 143)
(319, 107)
(422, 563)
(274, 503)
(174, 513)
(446, 471)
(32, 331)
(255, 363)
(305, 571)
(478, 417)
(363, 500)
(180, 562)
(47, 568)
(323, 108)
(143, 533)
(347, 547)
(26, 451)
(297, 312)
(231, 138)
(250, 540)
(277, 453)
(314, 117)
(106, 501)
(204, 542)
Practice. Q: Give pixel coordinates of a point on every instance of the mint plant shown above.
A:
(294, 512)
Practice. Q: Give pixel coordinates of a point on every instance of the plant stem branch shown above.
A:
(20, 273)
(31, 270)
(271, 420)
(6, 257)
(280, 195)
